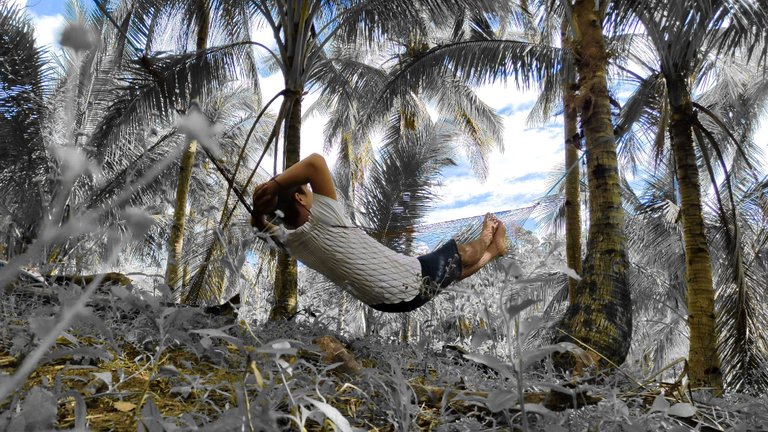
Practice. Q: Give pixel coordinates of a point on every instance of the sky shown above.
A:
(517, 177)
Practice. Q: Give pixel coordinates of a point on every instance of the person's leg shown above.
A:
(470, 253)
(496, 247)
(440, 268)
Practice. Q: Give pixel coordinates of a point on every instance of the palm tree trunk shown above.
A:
(572, 177)
(405, 331)
(703, 360)
(600, 315)
(572, 199)
(286, 277)
(176, 239)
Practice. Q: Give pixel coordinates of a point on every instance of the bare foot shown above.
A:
(500, 239)
(489, 229)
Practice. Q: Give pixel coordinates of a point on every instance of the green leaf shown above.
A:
(479, 337)
(80, 410)
(505, 369)
(500, 400)
(333, 415)
(538, 409)
(660, 404)
(218, 334)
(571, 273)
(682, 410)
(511, 268)
(151, 418)
(278, 348)
(138, 222)
(531, 324)
(104, 376)
(41, 326)
(39, 409)
(514, 309)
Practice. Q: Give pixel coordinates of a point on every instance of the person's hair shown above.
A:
(286, 203)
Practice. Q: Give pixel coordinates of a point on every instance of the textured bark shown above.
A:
(572, 178)
(600, 315)
(286, 277)
(405, 331)
(176, 239)
(572, 201)
(703, 360)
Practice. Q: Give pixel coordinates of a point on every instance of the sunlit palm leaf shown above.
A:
(158, 85)
(24, 172)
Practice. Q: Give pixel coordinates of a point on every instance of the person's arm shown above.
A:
(312, 170)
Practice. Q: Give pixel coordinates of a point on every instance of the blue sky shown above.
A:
(46, 7)
(517, 175)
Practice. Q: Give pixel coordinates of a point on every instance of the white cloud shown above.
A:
(512, 180)
(515, 177)
(48, 30)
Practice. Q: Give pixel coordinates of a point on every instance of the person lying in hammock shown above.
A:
(318, 233)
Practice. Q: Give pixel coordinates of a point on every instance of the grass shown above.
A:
(165, 367)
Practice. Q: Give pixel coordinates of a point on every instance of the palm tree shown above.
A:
(200, 14)
(564, 90)
(572, 144)
(151, 87)
(219, 249)
(599, 315)
(123, 116)
(655, 246)
(738, 234)
(715, 27)
(304, 32)
(22, 149)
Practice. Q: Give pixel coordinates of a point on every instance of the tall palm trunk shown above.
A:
(703, 359)
(176, 239)
(600, 315)
(286, 277)
(572, 177)
(572, 198)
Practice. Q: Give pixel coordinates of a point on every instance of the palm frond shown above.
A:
(397, 192)
(548, 103)
(741, 279)
(474, 62)
(368, 19)
(347, 86)
(24, 174)
(481, 125)
(641, 121)
(154, 87)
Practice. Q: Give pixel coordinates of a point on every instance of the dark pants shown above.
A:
(439, 269)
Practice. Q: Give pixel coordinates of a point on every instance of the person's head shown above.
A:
(295, 203)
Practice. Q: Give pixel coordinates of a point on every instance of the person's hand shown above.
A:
(265, 198)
